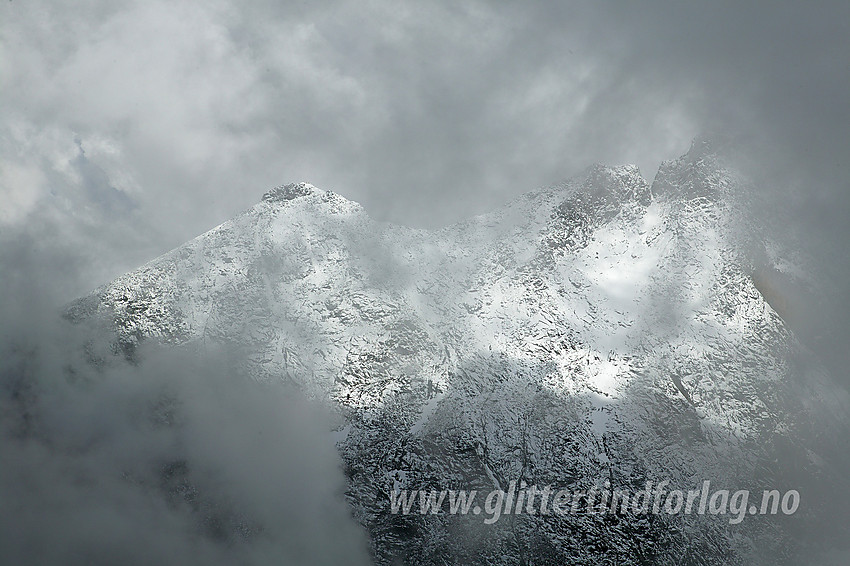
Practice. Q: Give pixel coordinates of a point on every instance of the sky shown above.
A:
(130, 127)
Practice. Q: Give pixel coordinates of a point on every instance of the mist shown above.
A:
(176, 459)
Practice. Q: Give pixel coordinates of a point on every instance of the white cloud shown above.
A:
(425, 113)
(20, 188)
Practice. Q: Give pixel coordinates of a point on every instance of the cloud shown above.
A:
(425, 114)
(179, 459)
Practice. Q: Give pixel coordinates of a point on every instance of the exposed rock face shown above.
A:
(600, 330)
(288, 192)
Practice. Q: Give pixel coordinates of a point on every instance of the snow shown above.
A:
(549, 323)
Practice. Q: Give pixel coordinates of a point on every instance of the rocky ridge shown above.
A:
(604, 331)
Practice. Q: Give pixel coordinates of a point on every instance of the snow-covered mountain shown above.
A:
(601, 329)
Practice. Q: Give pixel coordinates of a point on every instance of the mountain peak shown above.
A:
(617, 182)
(704, 171)
(616, 178)
(310, 196)
(288, 192)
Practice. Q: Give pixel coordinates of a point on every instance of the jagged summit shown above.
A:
(622, 182)
(289, 192)
(627, 171)
(305, 194)
(707, 170)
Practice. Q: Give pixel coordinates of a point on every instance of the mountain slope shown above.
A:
(597, 331)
